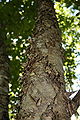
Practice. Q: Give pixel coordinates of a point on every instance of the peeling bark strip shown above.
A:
(4, 79)
(43, 80)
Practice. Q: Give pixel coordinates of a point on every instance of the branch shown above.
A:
(70, 93)
(76, 100)
(75, 103)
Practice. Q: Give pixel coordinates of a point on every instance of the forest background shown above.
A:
(17, 21)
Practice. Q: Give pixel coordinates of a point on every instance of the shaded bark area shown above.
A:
(43, 94)
(4, 79)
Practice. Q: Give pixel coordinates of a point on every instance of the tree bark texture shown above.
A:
(43, 94)
(4, 79)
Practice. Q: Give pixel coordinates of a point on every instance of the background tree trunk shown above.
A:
(43, 80)
(4, 79)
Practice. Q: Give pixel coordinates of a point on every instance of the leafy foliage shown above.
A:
(69, 24)
(17, 23)
(74, 3)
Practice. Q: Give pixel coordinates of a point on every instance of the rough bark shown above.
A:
(43, 94)
(4, 79)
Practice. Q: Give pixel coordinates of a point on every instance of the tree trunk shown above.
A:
(43, 94)
(4, 79)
